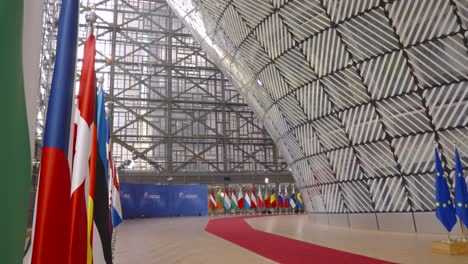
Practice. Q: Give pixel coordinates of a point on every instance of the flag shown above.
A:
(212, 200)
(292, 199)
(116, 207)
(461, 194)
(286, 197)
(259, 198)
(273, 199)
(82, 167)
(234, 199)
(18, 108)
(253, 199)
(267, 198)
(91, 183)
(101, 237)
(280, 202)
(247, 199)
(240, 199)
(50, 238)
(299, 202)
(445, 211)
(219, 200)
(110, 183)
(227, 200)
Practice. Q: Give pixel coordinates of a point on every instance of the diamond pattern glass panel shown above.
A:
(355, 92)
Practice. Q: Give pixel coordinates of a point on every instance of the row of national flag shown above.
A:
(78, 201)
(252, 199)
(446, 210)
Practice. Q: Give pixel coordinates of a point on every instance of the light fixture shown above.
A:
(129, 164)
(266, 180)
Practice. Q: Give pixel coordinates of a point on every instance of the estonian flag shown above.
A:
(102, 250)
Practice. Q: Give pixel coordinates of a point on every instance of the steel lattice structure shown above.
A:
(172, 111)
(353, 92)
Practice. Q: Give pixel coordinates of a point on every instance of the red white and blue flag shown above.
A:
(285, 197)
(50, 239)
(280, 198)
(116, 207)
(247, 202)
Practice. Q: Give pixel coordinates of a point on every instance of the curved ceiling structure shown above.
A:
(353, 92)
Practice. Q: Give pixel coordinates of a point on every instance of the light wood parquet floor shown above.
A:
(184, 240)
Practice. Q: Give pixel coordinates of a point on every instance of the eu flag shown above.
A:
(461, 194)
(445, 211)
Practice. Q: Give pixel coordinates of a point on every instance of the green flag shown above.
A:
(15, 151)
(234, 200)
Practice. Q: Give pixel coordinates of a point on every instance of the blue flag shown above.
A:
(445, 211)
(102, 132)
(461, 194)
(299, 202)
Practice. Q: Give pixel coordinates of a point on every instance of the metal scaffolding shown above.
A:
(174, 115)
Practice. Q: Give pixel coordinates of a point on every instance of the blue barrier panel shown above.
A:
(128, 201)
(189, 200)
(146, 200)
(152, 200)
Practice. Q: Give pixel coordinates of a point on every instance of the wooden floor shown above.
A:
(183, 240)
(176, 240)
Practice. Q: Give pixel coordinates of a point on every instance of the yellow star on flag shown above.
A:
(460, 204)
(444, 205)
(438, 174)
(437, 204)
(449, 202)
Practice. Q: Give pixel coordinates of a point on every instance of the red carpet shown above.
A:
(278, 248)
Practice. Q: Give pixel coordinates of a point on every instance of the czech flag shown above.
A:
(50, 238)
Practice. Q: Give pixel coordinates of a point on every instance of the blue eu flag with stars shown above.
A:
(461, 194)
(445, 211)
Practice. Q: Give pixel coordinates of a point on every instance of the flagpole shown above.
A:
(91, 19)
(463, 231)
(449, 238)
